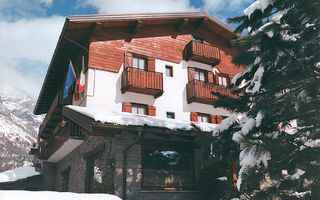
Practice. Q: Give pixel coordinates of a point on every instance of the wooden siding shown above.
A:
(227, 67)
(108, 55)
(199, 91)
(141, 81)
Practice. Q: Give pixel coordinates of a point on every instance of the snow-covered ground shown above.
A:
(17, 173)
(28, 195)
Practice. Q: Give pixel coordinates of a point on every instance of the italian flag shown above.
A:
(82, 79)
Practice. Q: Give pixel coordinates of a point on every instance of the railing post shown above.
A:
(194, 89)
(127, 76)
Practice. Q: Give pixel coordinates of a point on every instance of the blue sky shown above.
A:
(30, 30)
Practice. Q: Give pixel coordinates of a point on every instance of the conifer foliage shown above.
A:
(279, 95)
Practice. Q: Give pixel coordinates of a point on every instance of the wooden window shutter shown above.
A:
(211, 77)
(217, 78)
(194, 117)
(152, 111)
(213, 119)
(219, 119)
(126, 107)
(191, 74)
(151, 64)
(228, 80)
(127, 60)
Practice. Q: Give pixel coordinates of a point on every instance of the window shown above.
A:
(223, 80)
(170, 115)
(139, 63)
(95, 173)
(200, 75)
(167, 168)
(203, 117)
(65, 179)
(139, 109)
(169, 71)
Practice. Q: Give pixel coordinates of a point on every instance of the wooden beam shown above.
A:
(96, 28)
(201, 23)
(137, 24)
(133, 29)
(182, 24)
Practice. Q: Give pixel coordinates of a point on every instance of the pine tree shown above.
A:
(279, 93)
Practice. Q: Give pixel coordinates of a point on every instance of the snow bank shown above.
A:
(140, 120)
(17, 173)
(28, 195)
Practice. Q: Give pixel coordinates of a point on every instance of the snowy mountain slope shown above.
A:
(18, 128)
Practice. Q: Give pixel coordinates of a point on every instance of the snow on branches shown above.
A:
(257, 5)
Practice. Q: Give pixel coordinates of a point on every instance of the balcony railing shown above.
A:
(199, 91)
(54, 115)
(141, 81)
(201, 52)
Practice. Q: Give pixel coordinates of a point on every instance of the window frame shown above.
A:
(201, 115)
(200, 71)
(172, 113)
(170, 68)
(226, 77)
(177, 147)
(145, 107)
(65, 179)
(139, 58)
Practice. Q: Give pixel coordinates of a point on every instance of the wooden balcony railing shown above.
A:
(201, 52)
(199, 91)
(54, 115)
(141, 81)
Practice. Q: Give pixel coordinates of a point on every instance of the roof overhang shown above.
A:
(92, 125)
(79, 30)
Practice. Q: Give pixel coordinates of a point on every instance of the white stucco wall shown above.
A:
(104, 91)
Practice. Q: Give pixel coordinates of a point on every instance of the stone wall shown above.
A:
(114, 149)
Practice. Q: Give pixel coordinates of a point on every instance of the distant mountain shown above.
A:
(18, 128)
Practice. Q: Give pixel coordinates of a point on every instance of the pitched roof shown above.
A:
(78, 30)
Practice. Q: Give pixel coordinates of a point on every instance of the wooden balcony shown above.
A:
(141, 81)
(200, 92)
(201, 52)
(55, 148)
(54, 115)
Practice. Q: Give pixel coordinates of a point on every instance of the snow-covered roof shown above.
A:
(129, 119)
(28, 195)
(17, 173)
